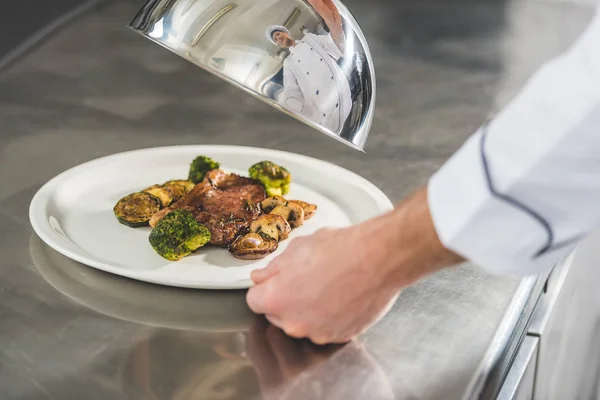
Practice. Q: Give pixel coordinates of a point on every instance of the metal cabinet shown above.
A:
(567, 323)
(559, 358)
(520, 381)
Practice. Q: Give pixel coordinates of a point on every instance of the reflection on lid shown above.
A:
(321, 37)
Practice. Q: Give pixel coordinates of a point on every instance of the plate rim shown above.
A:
(38, 216)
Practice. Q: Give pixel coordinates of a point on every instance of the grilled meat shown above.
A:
(225, 203)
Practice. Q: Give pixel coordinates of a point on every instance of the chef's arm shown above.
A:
(525, 188)
(330, 14)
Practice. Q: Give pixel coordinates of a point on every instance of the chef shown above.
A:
(518, 196)
(314, 85)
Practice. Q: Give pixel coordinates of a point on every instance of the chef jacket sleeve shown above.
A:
(525, 188)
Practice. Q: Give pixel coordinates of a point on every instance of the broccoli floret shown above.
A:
(177, 235)
(200, 166)
(274, 178)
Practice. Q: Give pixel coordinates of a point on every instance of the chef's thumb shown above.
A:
(259, 276)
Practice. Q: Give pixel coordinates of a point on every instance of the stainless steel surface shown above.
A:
(507, 340)
(567, 321)
(152, 305)
(307, 58)
(520, 382)
(23, 29)
(96, 88)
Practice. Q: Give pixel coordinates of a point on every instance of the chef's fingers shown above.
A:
(259, 276)
(260, 298)
(274, 321)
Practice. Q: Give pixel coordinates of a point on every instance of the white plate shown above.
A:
(73, 214)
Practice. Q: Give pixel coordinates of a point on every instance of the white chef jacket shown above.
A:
(524, 189)
(314, 85)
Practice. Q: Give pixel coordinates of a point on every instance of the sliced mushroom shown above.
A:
(291, 212)
(252, 246)
(309, 209)
(272, 226)
(163, 194)
(270, 203)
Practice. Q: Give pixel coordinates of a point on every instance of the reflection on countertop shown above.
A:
(211, 346)
(140, 302)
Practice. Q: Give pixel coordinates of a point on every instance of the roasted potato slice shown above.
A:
(162, 193)
(293, 213)
(136, 209)
(272, 226)
(309, 209)
(252, 246)
(178, 188)
(188, 185)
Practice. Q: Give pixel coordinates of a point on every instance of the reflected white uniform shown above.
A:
(313, 83)
(525, 188)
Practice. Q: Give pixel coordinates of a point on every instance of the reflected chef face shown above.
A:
(283, 39)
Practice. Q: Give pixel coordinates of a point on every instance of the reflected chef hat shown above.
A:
(276, 28)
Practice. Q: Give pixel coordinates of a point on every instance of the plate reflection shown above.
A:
(144, 303)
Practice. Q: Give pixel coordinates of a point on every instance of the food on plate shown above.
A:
(293, 213)
(270, 203)
(136, 209)
(178, 188)
(200, 166)
(309, 209)
(271, 226)
(252, 246)
(177, 235)
(275, 178)
(217, 208)
(224, 202)
(163, 194)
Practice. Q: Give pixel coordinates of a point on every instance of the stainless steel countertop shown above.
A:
(95, 88)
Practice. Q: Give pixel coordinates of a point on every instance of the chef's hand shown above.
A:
(333, 285)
